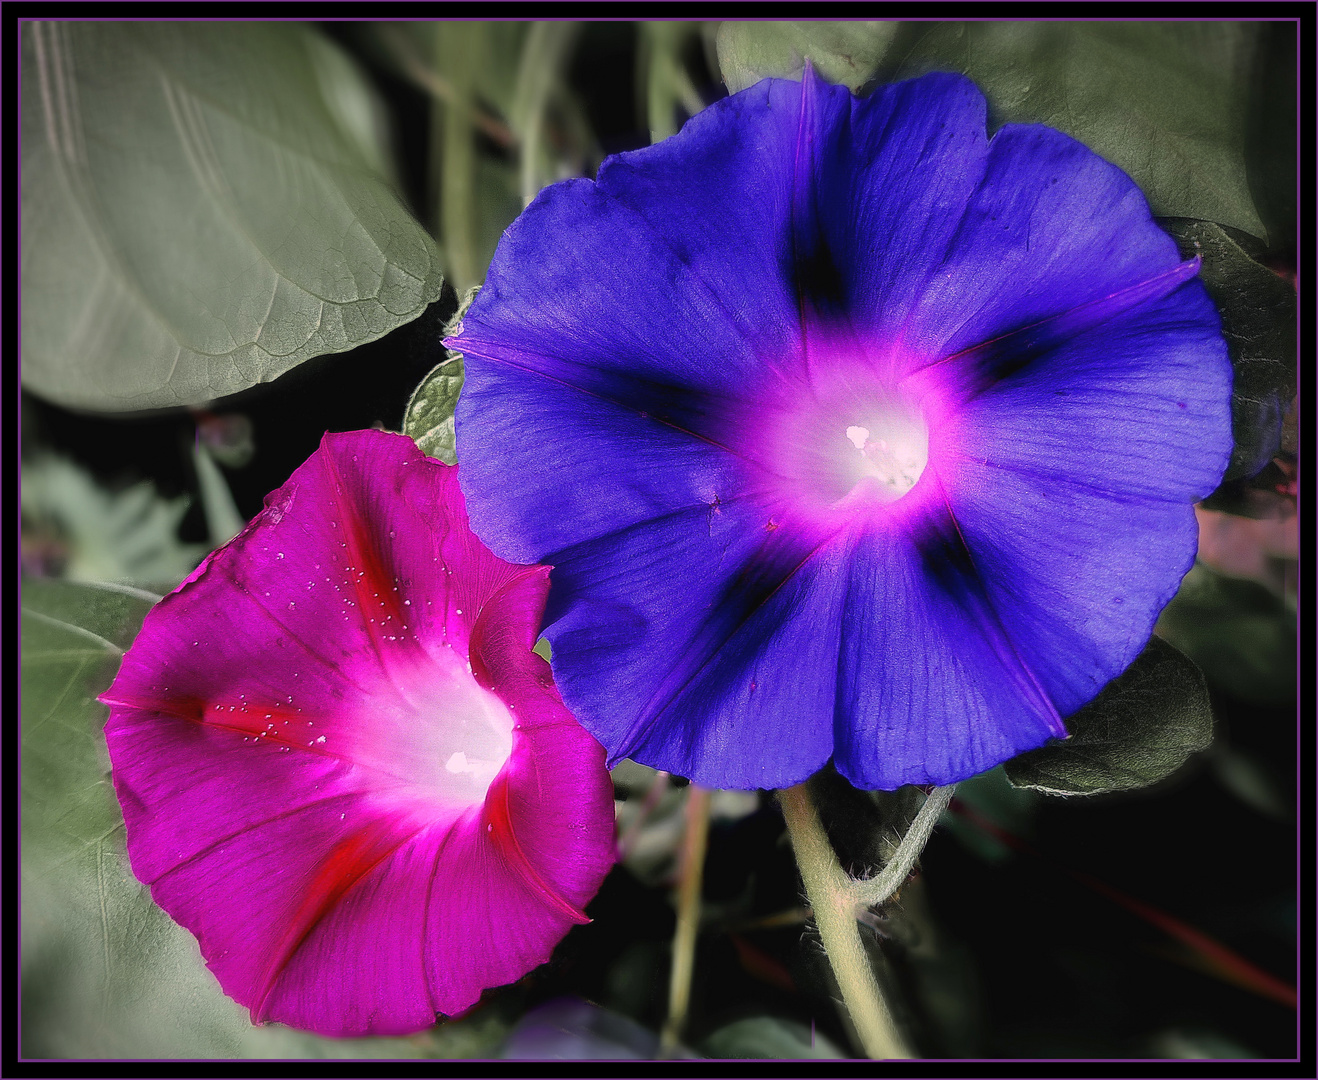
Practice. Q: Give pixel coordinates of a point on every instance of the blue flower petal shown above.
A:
(699, 641)
(882, 221)
(931, 686)
(1052, 226)
(625, 465)
(1104, 440)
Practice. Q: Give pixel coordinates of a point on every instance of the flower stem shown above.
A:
(877, 889)
(691, 874)
(831, 895)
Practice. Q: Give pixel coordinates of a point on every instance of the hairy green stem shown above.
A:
(832, 899)
(691, 876)
(877, 889)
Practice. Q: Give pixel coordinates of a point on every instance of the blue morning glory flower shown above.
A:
(849, 431)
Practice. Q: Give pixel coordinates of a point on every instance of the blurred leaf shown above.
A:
(768, 1037)
(1198, 1044)
(412, 49)
(1270, 135)
(1142, 727)
(665, 88)
(1166, 101)
(497, 204)
(1252, 782)
(994, 798)
(429, 416)
(453, 150)
(1240, 634)
(842, 52)
(222, 516)
(545, 55)
(126, 536)
(106, 973)
(490, 83)
(573, 1030)
(1258, 312)
(205, 206)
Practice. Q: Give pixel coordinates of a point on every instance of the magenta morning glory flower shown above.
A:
(848, 431)
(340, 763)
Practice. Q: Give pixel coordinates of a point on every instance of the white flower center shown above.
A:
(892, 451)
(444, 739)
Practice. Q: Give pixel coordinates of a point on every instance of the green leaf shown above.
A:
(847, 53)
(1241, 634)
(204, 206)
(106, 973)
(992, 797)
(73, 638)
(1166, 101)
(1270, 135)
(429, 416)
(1258, 321)
(768, 1037)
(1139, 730)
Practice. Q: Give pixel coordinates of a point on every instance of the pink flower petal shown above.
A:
(340, 763)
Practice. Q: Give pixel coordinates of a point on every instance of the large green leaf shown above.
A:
(204, 206)
(1258, 322)
(842, 52)
(105, 972)
(1139, 730)
(1166, 101)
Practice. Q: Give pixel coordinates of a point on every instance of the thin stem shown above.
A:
(877, 889)
(658, 787)
(830, 893)
(691, 877)
(666, 82)
(439, 87)
(545, 51)
(457, 163)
